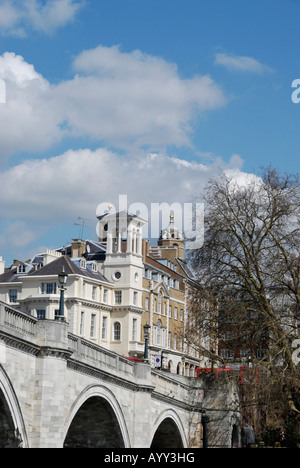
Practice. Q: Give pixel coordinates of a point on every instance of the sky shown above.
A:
(143, 98)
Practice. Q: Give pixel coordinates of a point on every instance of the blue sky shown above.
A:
(144, 98)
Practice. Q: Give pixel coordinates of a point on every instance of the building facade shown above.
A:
(114, 287)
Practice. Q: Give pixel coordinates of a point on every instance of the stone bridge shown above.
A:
(58, 390)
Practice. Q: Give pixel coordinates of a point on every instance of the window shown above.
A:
(104, 328)
(160, 298)
(170, 311)
(94, 293)
(118, 297)
(117, 331)
(41, 314)
(181, 315)
(227, 353)
(48, 288)
(147, 303)
(158, 333)
(22, 269)
(245, 353)
(175, 341)
(13, 296)
(105, 295)
(117, 275)
(135, 298)
(169, 339)
(155, 276)
(81, 332)
(93, 325)
(181, 344)
(134, 329)
(176, 313)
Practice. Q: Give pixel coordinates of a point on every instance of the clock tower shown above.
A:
(123, 266)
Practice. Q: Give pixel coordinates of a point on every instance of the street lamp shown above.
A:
(183, 364)
(62, 279)
(146, 335)
(212, 360)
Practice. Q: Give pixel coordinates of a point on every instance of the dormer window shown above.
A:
(22, 268)
(83, 264)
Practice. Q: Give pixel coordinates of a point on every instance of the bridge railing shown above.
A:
(17, 321)
(84, 350)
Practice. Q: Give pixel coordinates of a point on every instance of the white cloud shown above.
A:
(74, 183)
(30, 118)
(39, 196)
(9, 17)
(241, 63)
(19, 16)
(127, 98)
(124, 99)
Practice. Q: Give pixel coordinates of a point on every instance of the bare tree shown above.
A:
(250, 265)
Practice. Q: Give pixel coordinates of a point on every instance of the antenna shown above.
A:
(82, 226)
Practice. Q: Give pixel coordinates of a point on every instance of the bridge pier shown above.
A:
(50, 385)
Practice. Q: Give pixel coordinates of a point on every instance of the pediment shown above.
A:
(161, 286)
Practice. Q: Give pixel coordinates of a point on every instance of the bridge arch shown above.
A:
(168, 431)
(12, 427)
(96, 421)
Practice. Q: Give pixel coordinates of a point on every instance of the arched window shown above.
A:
(160, 298)
(117, 331)
(158, 333)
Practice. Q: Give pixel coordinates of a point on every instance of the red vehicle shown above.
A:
(215, 370)
(133, 359)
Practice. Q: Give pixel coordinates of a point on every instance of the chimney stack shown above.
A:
(2, 266)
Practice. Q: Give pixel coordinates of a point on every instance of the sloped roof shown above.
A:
(55, 267)
(10, 276)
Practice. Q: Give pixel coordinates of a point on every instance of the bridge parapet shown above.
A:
(17, 322)
(92, 354)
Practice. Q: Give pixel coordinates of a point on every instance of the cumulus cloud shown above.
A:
(19, 16)
(241, 63)
(127, 98)
(74, 183)
(29, 121)
(121, 99)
